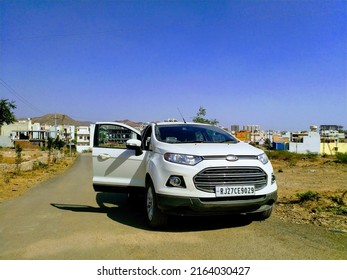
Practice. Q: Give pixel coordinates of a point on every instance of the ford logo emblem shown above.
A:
(232, 158)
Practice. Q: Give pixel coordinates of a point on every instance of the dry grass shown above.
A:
(312, 192)
(8, 156)
(14, 184)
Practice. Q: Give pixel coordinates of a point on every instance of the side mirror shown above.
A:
(134, 144)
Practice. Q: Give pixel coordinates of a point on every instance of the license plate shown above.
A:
(234, 190)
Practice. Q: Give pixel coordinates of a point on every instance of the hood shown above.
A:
(209, 149)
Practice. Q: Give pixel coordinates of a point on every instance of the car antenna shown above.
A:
(181, 115)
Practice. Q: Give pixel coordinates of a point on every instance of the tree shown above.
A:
(268, 143)
(54, 144)
(200, 117)
(19, 160)
(58, 143)
(50, 146)
(6, 114)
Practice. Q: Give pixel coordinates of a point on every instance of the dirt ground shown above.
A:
(310, 191)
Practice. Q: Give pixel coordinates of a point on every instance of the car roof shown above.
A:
(180, 123)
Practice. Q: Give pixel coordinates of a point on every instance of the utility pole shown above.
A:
(55, 124)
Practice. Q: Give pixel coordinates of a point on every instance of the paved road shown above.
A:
(64, 219)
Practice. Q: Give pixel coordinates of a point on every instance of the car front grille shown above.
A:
(209, 178)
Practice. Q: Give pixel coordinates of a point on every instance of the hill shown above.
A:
(131, 123)
(62, 119)
(59, 119)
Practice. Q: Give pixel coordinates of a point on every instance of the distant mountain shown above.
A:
(58, 119)
(62, 119)
(131, 123)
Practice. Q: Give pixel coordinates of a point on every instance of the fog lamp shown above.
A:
(176, 181)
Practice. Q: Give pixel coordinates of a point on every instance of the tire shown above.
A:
(155, 218)
(261, 216)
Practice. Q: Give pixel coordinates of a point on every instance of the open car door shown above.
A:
(116, 168)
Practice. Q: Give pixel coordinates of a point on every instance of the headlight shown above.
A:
(182, 159)
(263, 158)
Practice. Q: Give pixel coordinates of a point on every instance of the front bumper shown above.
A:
(175, 205)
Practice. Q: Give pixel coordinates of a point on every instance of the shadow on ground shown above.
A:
(130, 210)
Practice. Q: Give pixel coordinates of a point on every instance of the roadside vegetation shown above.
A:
(20, 169)
(286, 155)
(14, 181)
(293, 158)
(312, 188)
(341, 157)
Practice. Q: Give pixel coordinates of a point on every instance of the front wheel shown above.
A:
(155, 218)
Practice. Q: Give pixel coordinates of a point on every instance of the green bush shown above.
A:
(307, 196)
(341, 157)
(311, 156)
(280, 155)
(291, 157)
(337, 210)
(39, 165)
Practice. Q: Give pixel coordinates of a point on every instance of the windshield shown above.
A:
(192, 133)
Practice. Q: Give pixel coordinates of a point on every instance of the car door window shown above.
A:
(113, 136)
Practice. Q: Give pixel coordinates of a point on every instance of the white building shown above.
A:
(304, 142)
(83, 138)
(13, 131)
(38, 133)
(21, 126)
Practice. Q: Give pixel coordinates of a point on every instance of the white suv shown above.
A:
(184, 169)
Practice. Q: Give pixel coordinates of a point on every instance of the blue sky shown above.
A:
(278, 64)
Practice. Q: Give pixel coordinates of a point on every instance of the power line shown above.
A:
(19, 97)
